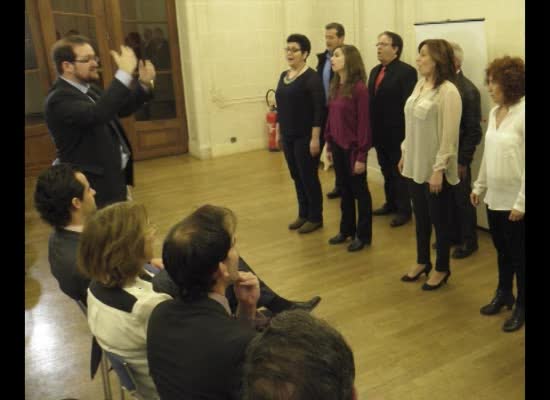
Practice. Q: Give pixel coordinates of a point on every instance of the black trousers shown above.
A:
(431, 209)
(509, 240)
(304, 170)
(463, 214)
(355, 190)
(395, 185)
(337, 183)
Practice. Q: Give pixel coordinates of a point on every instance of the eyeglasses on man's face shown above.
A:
(292, 50)
(88, 59)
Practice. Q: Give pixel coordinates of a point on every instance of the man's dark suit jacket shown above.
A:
(62, 255)
(321, 59)
(83, 136)
(196, 350)
(470, 122)
(387, 105)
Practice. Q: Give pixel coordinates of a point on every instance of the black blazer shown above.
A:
(196, 350)
(321, 59)
(387, 106)
(470, 122)
(82, 134)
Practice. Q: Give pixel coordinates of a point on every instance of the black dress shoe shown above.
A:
(399, 220)
(464, 251)
(339, 238)
(334, 193)
(356, 245)
(305, 305)
(384, 210)
(427, 286)
(297, 223)
(516, 321)
(310, 227)
(500, 300)
(426, 270)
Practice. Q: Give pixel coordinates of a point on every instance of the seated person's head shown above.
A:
(299, 357)
(115, 243)
(62, 191)
(199, 252)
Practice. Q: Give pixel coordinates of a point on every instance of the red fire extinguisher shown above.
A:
(271, 119)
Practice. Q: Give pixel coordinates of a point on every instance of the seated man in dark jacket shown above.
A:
(195, 346)
(64, 199)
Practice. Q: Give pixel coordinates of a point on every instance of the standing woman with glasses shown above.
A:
(502, 179)
(115, 244)
(300, 102)
(348, 137)
(430, 156)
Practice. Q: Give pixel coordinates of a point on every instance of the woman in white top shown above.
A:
(115, 244)
(429, 156)
(502, 179)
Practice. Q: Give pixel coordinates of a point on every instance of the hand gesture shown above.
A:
(157, 263)
(474, 199)
(247, 289)
(436, 182)
(359, 167)
(147, 72)
(126, 60)
(515, 215)
(314, 147)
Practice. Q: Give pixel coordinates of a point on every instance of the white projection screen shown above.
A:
(470, 35)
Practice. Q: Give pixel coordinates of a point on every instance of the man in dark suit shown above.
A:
(82, 118)
(195, 346)
(463, 214)
(390, 84)
(334, 37)
(65, 200)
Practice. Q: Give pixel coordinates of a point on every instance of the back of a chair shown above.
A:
(125, 376)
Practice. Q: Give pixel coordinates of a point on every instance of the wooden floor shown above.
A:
(408, 344)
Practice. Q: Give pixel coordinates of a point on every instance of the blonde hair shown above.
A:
(112, 245)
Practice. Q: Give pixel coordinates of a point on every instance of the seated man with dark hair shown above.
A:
(195, 347)
(64, 199)
(299, 357)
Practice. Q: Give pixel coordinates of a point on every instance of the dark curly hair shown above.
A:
(55, 190)
(302, 40)
(194, 248)
(509, 73)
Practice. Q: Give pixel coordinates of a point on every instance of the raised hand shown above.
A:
(147, 72)
(126, 60)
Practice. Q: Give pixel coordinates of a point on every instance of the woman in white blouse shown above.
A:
(502, 179)
(115, 244)
(429, 156)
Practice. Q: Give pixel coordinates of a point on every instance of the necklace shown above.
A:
(288, 80)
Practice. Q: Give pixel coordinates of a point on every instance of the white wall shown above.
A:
(232, 52)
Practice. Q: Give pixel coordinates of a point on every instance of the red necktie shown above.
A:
(379, 78)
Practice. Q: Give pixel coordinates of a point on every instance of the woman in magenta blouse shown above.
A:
(348, 140)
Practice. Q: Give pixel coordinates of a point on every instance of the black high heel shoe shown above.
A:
(427, 286)
(426, 270)
(500, 300)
